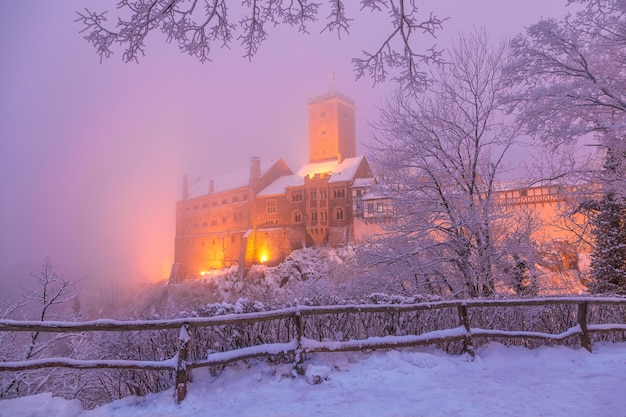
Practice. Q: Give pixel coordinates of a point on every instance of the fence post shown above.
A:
(181, 365)
(299, 359)
(585, 340)
(468, 344)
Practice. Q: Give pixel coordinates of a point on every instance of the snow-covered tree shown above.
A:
(608, 219)
(441, 153)
(569, 83)
(198, 26)
(49, 300)
(570, 74)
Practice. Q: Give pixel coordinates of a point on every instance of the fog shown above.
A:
(92, 154)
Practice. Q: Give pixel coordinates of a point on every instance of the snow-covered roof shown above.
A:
(281, 184)
(373, 196)
(528, 183)
(344, 171)
(224, 182)
(363, 182)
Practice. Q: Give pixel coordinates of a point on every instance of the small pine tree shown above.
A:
(608, 261)
(608, 218)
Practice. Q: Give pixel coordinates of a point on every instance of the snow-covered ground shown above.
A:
(501, 381)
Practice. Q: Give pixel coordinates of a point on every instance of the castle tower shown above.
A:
(332, 128)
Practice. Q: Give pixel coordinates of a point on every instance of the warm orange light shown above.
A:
(263, 258)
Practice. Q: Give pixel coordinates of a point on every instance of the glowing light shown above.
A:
(203, 273)
(263, 258)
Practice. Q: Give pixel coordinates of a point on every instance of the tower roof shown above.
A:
(329, 96)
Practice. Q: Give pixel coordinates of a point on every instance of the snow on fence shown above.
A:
(300, 330)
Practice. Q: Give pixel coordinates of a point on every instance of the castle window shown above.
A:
(296, 197)
(523, 193)
(271, 206)
(297, 217)
(323, 132)
(339, 193)
(324, 215)
(313, 194)
(338, 213)
(379, 207)
(322, 195)
(314, 217)
(271, 222)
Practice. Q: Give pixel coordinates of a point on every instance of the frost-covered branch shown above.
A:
(198, 25)
(52, 291)
(569, 74)
(405, 21)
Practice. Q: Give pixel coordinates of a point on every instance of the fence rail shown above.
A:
(306, 338)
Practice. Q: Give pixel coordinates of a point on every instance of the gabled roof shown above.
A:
(281, 184)
(224, 182)
(344, 171)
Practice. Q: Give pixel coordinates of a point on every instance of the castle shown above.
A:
(261, 214)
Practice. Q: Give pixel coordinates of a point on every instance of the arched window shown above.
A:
(297, 216)
(339, 213)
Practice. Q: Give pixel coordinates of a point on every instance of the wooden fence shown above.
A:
(305, 338)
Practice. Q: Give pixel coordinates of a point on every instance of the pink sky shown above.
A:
(92, 155)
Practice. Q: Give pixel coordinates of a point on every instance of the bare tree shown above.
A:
(197, 26)
(442, 152)
(49, 300)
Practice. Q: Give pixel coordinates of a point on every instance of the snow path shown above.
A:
(501, 381)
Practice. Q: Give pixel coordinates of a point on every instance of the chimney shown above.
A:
(255, 168)
(185, 187)
(211, 186)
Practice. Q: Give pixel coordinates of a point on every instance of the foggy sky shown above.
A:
(92, 155)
